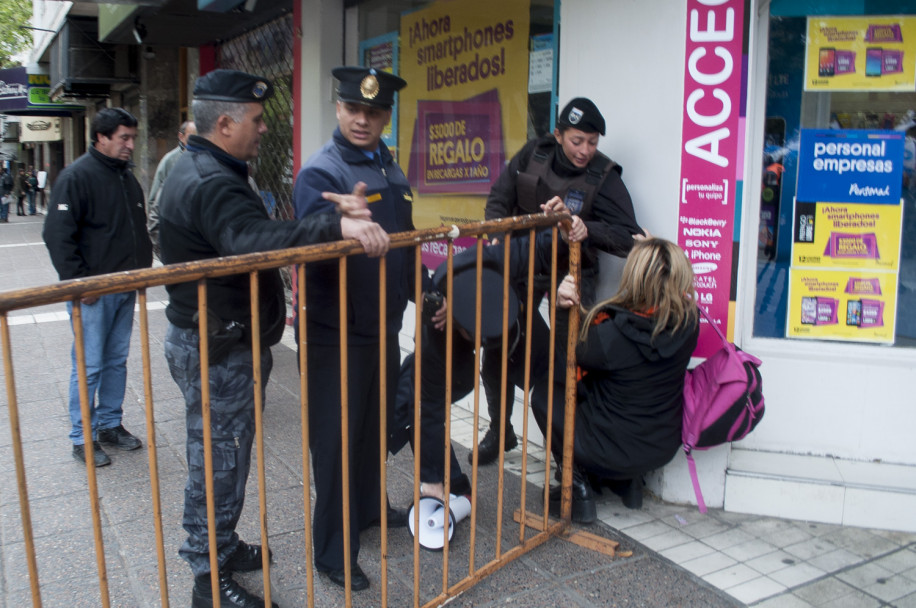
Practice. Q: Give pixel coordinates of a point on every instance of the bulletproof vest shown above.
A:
(538, 183)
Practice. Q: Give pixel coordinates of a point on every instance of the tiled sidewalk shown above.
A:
(760, 561)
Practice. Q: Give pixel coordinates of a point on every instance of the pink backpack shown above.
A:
(723, 402)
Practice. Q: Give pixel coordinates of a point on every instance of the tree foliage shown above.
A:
(13, 40)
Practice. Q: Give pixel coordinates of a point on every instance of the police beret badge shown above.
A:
(259, 89)
(369, 86)
(575, 115)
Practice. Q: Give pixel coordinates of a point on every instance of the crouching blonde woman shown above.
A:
(633, 352)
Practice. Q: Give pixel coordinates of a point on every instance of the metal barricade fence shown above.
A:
(251, 264)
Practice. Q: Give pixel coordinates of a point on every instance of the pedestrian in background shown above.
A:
(6, 194)
(20, 187)
(96, 225)
(32, 182)
(168, 161)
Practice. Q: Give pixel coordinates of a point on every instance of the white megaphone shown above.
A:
(432, 519)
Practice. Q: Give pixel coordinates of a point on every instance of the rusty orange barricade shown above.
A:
(298, 584)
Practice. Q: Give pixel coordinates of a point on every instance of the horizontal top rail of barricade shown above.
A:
(118, 282)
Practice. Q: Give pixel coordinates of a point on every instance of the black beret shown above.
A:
(233, 85)
(367, 86)
(581, 113)
(464, 301)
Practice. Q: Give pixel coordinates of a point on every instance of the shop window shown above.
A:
(836, 256)
(481, 82)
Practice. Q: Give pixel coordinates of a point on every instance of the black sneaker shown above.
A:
(99, 457)
(488, 450)
(231, 594)
(119, 437)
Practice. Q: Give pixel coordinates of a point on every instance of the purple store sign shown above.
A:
(14, 89)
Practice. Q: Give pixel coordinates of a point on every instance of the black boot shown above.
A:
(231, 594)
(629, 491)
(488, 450)
(584, 508)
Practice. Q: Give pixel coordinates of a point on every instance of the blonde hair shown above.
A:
(657, 281)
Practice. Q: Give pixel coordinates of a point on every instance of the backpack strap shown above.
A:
(701, 504)
(713, 325)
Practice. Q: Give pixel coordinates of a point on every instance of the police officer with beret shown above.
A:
(208, 210)
(568, 165)
(355, 172)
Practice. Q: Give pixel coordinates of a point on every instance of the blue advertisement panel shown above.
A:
(850, 166)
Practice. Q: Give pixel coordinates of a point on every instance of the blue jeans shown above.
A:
(106, 341)
(4, 208)
(31, 195)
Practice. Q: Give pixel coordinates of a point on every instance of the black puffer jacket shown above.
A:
(96, 220)
(631, 399)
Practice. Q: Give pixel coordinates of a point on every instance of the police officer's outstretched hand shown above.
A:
(352, 205)
(374, 240)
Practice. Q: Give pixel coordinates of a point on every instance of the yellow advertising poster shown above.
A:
(873, 53)
(846, 305)
(847, 235)
(465, 107)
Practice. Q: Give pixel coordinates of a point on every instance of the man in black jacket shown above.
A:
(97, 224)
(208, 210)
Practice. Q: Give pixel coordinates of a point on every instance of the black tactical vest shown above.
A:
(538, 183)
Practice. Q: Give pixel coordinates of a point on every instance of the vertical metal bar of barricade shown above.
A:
(474, 456)
(529, 306)
(504, 359)
(203, 347)
(304, 413)
(417, 383)
(258, 387)
(569, 420)
(383, 419)
(551, 371)
(151, 448)
(449, 345)
(345, 429)
(89, 447)
(21, 484)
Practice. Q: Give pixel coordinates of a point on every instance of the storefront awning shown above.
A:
(182, 22)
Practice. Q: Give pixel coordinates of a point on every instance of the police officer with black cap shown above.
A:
(356, 172)
(208, 210)
(568, 165)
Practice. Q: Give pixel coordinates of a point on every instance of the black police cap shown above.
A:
(367, 86)
(233, 85)
(581, 113)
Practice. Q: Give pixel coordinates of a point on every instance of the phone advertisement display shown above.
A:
(861, 53)
(844, 305)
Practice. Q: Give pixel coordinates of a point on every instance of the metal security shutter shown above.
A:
(268, 51)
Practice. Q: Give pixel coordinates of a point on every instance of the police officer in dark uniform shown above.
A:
(208, 210)
(354, 170)
(568, 165)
